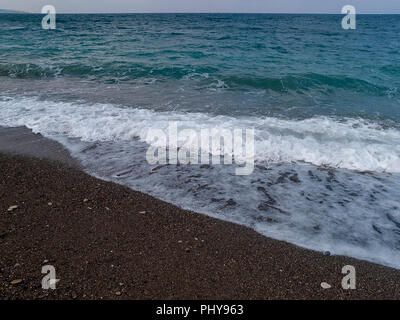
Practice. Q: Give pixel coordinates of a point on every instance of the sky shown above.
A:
(233, 6)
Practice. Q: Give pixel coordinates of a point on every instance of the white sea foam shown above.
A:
(350, 143)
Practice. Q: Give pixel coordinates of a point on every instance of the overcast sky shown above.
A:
(289, 6)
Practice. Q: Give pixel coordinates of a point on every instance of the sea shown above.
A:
(324, 103)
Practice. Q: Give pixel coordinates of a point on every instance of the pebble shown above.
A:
(2, 235)
(74, 295)
(294, 178)
(325, 285)
(50, 203)
(118, 293)
(12, 208)
(16, 281)
(327, 253)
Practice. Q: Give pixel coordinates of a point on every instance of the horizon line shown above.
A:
(292, 13)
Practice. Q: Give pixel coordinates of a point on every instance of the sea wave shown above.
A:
(354, 144)
(123, 71)
(307, 81)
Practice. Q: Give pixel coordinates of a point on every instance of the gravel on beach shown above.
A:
(107, 241)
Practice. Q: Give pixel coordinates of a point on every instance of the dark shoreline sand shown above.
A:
(107, 241)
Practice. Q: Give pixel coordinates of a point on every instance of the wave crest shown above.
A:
(353, 144)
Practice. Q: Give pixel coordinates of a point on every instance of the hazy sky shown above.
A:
(289, 6)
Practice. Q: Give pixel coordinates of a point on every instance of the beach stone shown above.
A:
(294, 178)
(325, 285)
(16, 281)
(12, 208)
(118, 293)
(327, 253)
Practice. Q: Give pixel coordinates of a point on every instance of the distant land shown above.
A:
(12, 11)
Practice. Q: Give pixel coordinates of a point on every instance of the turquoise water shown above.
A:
(324, 103)
(282, 65)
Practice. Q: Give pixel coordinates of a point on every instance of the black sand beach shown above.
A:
(109, 242)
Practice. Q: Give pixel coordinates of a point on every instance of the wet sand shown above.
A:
(107, 241)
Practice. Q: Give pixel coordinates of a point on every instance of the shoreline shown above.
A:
(107, 241)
